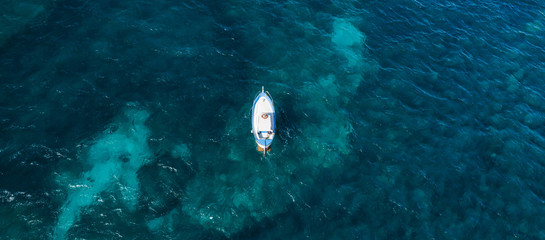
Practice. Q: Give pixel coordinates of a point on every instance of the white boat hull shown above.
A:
(263, 120)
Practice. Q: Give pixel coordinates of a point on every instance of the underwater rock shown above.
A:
(348, 41)
(345, 34)
(15, 15)
(128, 144)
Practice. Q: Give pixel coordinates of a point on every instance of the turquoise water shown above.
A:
(396, 119)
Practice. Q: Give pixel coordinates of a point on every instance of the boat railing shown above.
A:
(268, 94)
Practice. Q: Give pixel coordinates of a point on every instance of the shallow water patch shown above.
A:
(114, 159)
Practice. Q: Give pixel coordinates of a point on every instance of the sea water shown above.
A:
(396, 119)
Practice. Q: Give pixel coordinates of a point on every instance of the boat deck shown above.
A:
(263, 120)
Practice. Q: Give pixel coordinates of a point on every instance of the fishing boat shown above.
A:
(263, 120)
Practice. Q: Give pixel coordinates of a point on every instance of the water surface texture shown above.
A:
(396, 119)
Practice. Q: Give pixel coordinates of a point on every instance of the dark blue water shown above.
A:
(396, 119)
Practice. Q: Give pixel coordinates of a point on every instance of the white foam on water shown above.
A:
(115, 158)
